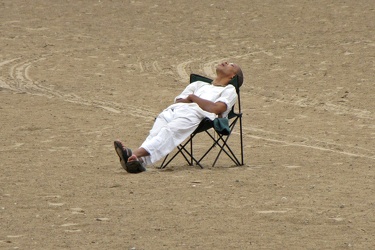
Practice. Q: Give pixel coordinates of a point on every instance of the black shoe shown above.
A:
(124, 153)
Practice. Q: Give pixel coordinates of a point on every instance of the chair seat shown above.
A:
(205, 124)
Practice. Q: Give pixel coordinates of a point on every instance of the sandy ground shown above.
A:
(75, 75)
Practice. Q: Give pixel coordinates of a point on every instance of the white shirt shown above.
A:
(211, 93)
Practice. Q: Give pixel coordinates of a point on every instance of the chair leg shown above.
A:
(225, 146)
(212, 146)
(220, 141)
(231, 155)
(191, 150)
(162, 164)
(241, 139)
(192, 158)
(182, 149)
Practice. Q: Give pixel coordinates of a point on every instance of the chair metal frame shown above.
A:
(205, 126)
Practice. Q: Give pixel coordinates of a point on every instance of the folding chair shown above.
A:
(207, 126)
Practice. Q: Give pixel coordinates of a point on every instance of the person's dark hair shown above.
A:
(239, 77)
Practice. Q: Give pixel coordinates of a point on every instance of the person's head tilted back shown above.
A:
(227, 71)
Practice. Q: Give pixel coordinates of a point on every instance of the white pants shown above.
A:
(170, 129)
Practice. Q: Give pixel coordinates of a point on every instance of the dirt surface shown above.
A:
(75, 75)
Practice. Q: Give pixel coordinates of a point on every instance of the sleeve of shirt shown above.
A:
(187, 91)
(229, 97)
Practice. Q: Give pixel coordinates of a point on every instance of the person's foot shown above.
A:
(133, 157)
(128, 161)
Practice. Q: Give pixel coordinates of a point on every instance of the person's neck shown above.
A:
(219, 81)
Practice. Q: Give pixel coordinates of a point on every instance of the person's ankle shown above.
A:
(133, 157)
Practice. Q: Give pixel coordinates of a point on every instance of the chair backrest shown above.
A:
(195, 77)
(234, 82)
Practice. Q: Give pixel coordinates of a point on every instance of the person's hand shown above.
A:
(183, 100)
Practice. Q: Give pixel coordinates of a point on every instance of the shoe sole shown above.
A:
(121, 154)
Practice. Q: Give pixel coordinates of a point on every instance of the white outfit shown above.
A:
(179, 120)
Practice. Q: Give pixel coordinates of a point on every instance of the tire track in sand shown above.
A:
(19, 80)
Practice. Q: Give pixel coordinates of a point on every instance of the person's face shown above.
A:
(227, 69)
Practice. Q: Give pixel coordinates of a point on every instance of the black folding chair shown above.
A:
(207, 126)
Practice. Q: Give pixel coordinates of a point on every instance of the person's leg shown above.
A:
(138, 154)
(170, 129)
(161, 120)
(185, 121)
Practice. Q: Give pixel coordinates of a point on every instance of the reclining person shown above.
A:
(179, 120)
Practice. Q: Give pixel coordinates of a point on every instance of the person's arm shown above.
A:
(212, 107)
(187, 91)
